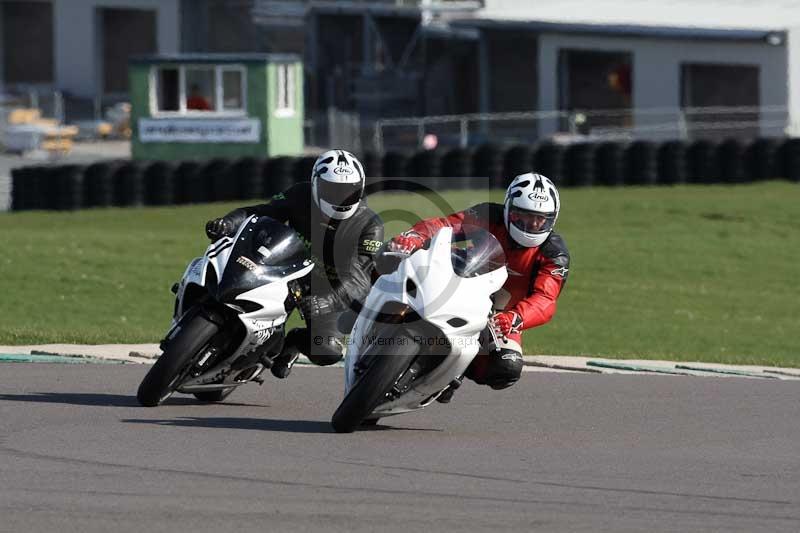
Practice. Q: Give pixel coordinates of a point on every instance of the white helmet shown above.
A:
(531, 209)
(337, 184)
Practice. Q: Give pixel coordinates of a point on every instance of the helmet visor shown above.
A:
(339, 194)
(531, 221)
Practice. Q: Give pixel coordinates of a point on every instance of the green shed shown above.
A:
(189, 106)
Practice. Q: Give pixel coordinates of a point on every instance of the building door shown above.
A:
(124, 33)
(27, 42)
(705, 85)
(597, 81)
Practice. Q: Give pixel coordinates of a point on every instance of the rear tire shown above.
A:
(214, 395)
(180, 352)
(370, 389)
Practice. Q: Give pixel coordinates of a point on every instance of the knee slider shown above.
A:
(325, 351)
(505, 369)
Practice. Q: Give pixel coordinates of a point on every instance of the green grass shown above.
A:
(690, 273)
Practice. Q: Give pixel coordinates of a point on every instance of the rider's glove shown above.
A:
(506, 323)
(406, 243)
(218, 228)
(314, 306)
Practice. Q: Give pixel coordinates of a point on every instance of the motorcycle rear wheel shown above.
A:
(179, 354)
(367, 393)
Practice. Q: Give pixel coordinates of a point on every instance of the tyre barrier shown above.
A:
(702, 165)
(188, 186)
(427, 164)
(458, 172)
(373, 164)
(672, 163)
(609, 164)
(518, 160)
(278, 175)
(641, 164)
(762, 160)
(487, 161)
(131, 183)
(579, 165)
(69, 190)
(23, 188)
(99, 184)
(549, 160)
(303, 168)
(395, 165)
(731, 162)
(790, 157)
(159, 184)
(218, 184)
(128, 185)
(248, 173)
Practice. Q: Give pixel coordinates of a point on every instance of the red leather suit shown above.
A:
(536, 275)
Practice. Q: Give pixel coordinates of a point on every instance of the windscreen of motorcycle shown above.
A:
(475, 251)
(265, 251)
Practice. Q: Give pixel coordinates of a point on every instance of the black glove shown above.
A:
(314, 307)
(218, 228)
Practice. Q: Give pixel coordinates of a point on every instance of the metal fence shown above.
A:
(714, 123)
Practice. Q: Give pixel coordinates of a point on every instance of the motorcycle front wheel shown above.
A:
(194, 334)
(388, 363)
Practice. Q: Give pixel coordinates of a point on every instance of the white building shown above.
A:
(678, 53)
(468, 55)
(81, 47)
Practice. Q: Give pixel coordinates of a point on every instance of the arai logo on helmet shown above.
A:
(538, 197)
(342, 171)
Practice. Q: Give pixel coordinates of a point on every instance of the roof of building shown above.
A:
(216, 58)
(765, 15)
(628, 30)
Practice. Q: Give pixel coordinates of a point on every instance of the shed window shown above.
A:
(168, 90)
(232, 90)
(285, 90)
(200, 93)
(198, 89)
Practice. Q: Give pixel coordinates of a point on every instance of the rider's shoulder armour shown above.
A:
(555, 249)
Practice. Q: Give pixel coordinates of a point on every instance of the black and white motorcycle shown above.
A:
(419, 328)
(230, 310)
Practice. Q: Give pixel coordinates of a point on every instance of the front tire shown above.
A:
(371, 387)
(180, 352)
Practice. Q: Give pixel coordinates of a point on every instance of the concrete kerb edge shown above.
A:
(147, 353)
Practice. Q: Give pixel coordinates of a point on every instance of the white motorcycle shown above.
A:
(418, 330)
(230, 309)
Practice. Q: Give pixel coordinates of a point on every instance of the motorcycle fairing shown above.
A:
(438, 296)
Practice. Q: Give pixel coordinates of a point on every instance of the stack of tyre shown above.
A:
(489, 166)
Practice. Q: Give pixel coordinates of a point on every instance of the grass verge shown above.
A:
(703, 273)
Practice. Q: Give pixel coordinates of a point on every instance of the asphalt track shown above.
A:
(557, 452)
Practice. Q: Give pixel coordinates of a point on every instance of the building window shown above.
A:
(27, 42)
(232, 89)
(285, 90)
(200, 93)
(198, 90)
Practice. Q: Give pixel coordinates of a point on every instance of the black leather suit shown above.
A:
(343, 251)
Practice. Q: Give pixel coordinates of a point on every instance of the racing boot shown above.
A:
(447, 395)
(283, 362)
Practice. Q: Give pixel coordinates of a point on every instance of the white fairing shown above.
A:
(440, 295)
(259, 324)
